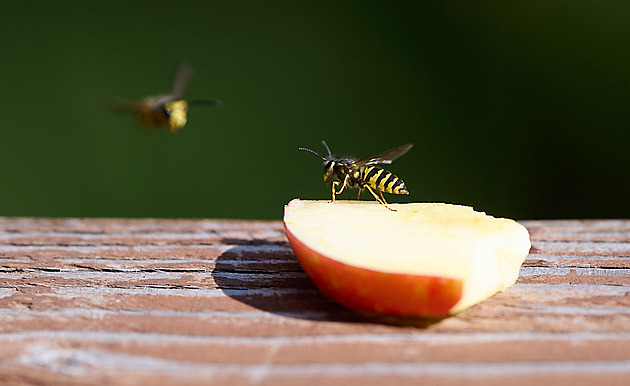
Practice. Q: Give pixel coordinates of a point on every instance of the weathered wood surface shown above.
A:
(104, 301)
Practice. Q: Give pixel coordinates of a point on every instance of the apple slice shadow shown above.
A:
(267, 276)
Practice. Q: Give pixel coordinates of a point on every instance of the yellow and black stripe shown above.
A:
(382, 180)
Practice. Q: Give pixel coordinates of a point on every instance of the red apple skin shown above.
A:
(370, 291)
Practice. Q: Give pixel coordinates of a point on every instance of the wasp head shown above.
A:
(334, 168)
(331, 169)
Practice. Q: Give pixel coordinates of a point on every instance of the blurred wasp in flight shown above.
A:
(363, 174)
(168, 111)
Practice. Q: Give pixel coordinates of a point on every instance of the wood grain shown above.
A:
(138, 301)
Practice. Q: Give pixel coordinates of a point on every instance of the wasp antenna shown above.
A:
(206, 102)
(312, 152)
(327, 148)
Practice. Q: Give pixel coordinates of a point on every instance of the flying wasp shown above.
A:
(168, 111)
(363, 174)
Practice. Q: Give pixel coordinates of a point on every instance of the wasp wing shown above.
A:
(180, 80)
(385, 157)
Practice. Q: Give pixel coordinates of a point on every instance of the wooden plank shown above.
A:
(128, 301)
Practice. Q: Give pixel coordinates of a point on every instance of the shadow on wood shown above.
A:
(266, 275)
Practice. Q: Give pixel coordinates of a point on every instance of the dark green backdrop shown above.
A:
(520, 109)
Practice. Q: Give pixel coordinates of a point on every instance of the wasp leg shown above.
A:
(345, 183)
(335, 183)
(359, 195)
(383, 202)
(380, 192)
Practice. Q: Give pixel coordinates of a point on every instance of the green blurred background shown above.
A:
(520, 109)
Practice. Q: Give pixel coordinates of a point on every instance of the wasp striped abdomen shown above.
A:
(381, 179)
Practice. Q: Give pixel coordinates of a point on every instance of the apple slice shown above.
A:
(424, 259)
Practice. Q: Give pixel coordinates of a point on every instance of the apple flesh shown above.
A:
(424, 259)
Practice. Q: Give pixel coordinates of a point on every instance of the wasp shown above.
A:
(362, 174)
(169, 111)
